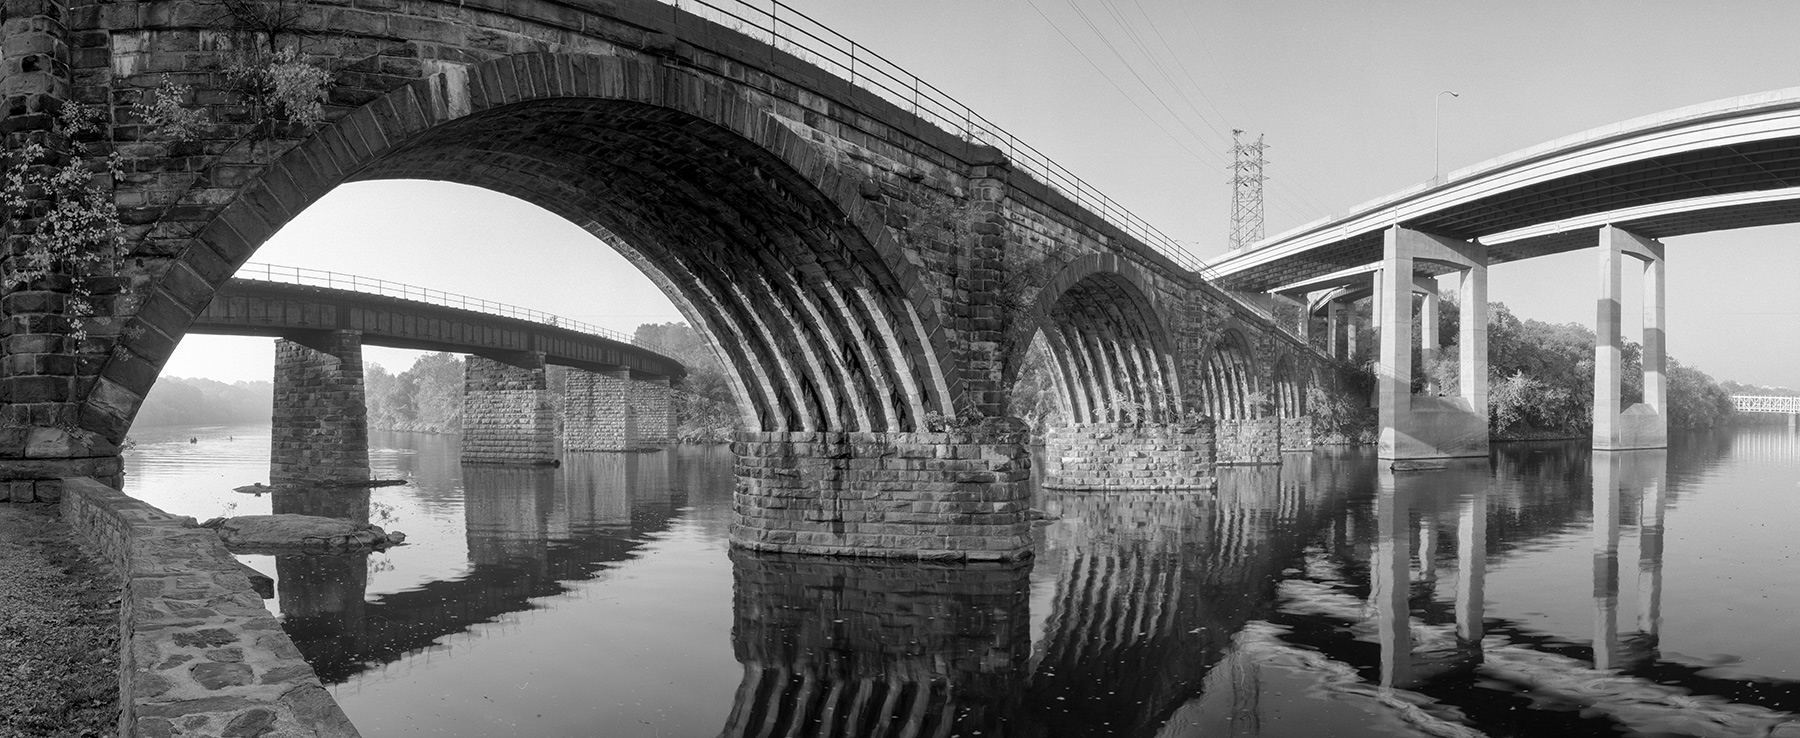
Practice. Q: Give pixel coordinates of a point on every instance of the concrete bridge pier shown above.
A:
(1422, 426)
(508, 414)
(1644, 424)
(320, 429)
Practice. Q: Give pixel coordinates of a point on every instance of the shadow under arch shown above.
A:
(765, 246)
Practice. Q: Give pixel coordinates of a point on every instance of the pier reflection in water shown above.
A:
(1526, 595)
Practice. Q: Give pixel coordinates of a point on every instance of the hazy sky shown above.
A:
(1138, 97)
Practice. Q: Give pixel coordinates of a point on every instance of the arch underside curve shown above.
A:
(1112, 359)
(1228, 379)
(763, 245)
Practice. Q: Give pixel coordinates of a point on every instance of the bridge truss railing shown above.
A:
(403, 291)
(1765, 404)
(789, 30)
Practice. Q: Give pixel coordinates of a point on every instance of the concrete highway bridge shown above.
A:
(612, 394)
(1617, 190)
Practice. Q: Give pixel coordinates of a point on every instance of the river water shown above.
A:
(1549, 590)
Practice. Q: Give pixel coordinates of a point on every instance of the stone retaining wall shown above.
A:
(1121, 456)
(199, 654)
(940, 496)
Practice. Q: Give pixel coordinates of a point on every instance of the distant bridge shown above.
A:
(1765, 404)
(283, 301)
(614, 396)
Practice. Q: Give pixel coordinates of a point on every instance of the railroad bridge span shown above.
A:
(872, 260)
(534, 385)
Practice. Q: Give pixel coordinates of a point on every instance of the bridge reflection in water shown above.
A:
(529, 531)
(1168, 614)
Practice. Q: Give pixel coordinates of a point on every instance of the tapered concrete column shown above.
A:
(1643, 425)
(1338, 330)
(598, 413)
(1422, 427)
(508, 415)
(319, 434)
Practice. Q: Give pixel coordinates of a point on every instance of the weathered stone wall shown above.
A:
(1249, 441)
(597, 412)
(1130, 456)
(320, 427)
(949, 496)
(198, 652)
(508, 416)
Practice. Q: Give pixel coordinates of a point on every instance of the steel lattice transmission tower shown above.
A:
(1246, 190)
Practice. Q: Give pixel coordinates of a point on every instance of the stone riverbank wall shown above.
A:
(198, 653)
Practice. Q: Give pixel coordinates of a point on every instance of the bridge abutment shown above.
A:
(319, 433)
(1427, 426)
(948, 496)
(1644, 424)
(508, 414)
(1130, 456)
(652, 406)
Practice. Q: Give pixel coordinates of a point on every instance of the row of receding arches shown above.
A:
(1231, 388)
(1113, 360)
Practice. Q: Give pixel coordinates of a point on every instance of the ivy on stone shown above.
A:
(60, 215)
(163, 109)
(283, 87)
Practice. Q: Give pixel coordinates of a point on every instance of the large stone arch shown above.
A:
(766, 246)
(1113, 355)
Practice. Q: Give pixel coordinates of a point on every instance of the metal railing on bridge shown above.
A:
(1765, 404)
(794, 32)
(400, 290)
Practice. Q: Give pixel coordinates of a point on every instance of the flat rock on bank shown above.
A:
(276, 533)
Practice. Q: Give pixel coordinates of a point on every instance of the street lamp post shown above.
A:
(1437, 137)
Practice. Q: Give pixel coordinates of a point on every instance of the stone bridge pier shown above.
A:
(319, 434)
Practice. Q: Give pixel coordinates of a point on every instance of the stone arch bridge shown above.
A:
(871, 260)
(533, 382)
